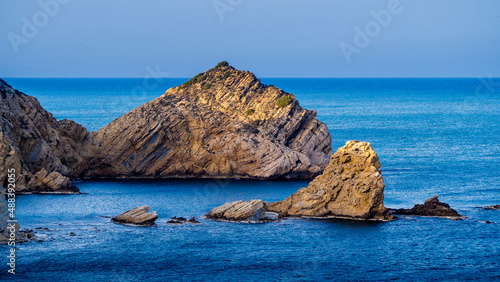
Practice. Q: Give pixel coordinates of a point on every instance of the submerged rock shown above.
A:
(495, 207)
(193, 220)
(351, 187)
(252, 210)
(177, 220)
(138, 216)
(431, 207)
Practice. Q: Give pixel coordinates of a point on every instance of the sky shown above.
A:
(272, 38)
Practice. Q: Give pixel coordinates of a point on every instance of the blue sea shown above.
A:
(433, 137)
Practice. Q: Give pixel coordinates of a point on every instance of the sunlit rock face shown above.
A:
(222, 123)
(350, 187)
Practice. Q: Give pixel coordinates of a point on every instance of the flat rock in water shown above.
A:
(138, 216)
(431, 207)
(252, 210)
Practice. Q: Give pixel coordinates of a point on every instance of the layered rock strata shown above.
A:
(350, 187)
(138, 216)
(252, 210)
(222, 123)
(44, 153)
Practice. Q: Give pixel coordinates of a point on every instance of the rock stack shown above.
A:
(350, 187)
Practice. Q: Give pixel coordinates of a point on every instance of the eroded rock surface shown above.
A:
(223, 123)
(350, 187)
(45, 153)
(431, 207)
(252, 210)
(138, 216)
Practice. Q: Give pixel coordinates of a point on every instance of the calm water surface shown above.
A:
(433, 136)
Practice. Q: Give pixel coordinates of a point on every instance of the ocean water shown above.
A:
(433, 136)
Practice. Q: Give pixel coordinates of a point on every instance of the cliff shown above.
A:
(222, 123)
(45, 153)
(350, 187)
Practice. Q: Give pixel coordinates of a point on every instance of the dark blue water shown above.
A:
(433, 136)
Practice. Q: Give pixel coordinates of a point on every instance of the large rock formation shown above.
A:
(350, 187)
(138, 216)
(252, 210)
(221, 124)
(45, 153)
(431, 207)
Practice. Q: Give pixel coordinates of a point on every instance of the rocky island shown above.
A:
(351, 187)
(223, 123)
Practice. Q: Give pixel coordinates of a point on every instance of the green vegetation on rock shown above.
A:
(207, 86)
(222, 64)
(196, 79)
(283, 101)
(249, 112)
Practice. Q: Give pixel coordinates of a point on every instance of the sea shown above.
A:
(433, 136)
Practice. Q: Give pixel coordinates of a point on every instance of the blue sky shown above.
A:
(285, 38)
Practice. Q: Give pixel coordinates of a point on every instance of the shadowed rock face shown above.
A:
(45, 153)
(351, 186)
(431, 207)
(138, 216)
(222, 124)
(253, 210)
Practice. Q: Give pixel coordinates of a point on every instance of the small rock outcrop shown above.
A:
(495, 207)
(249, 211)
(351, 187)
(193, 221)
(431, 207)
(138, 216)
